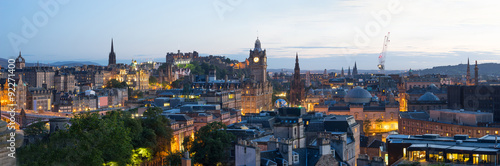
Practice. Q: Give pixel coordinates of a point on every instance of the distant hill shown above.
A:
(4, 63)
(73, 63)
(461, 69)
(337, 71)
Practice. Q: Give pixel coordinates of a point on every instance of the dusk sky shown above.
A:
(325, 33)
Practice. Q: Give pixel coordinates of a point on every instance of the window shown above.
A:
(295, 158)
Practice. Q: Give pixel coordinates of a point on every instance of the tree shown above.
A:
(113, 83)
(115, 138)
(37, 129)
(174, 158)
(211, 144)
(157, 130)
(153, 80)
(89, 141)
(187, 143)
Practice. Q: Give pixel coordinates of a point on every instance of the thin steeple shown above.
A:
(112, 50)
(467, 76)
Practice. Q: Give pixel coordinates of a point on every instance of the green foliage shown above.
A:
(211, 144)
(411, 164)
(115, 138)
(178, 83)
(153, 80)
(187, 143)
(141, 154)
(174, 158)
(137, 94)
(159, 133)
(113, 83)
(37, 129)
(194, 66)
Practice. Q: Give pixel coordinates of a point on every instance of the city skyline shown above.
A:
(446, 34)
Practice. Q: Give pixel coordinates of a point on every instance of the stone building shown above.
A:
(64, 82)
(39, 77)
(376, 116)
(39, 99)
(257, 91)
(446, 122)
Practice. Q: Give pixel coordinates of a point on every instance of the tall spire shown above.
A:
(355, 69)
(349, 71)
(296, 57)
(476, 75)
(297, 62)
(342, 72)
(112, 50)
(467, 76)
(112, 55)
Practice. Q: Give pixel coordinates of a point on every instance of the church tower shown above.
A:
(257, 91)
(258, 63)
(20, 63)
(342, 72)
(297, 88)
(112, 55)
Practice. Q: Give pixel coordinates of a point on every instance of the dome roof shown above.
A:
(257, 45)
(358, 95)
(428, 96)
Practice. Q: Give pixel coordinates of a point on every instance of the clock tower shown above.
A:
(258, 63)
(257, 91)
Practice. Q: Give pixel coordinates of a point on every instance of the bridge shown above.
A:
(33, 116)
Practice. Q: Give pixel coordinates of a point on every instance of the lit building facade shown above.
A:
(257, 91)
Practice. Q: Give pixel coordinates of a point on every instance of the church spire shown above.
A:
(112, 50)
(476, 75)
(112, 55)
(467, 76)
(349, 71)
(355, 69)
(297, 68)
(342, 72)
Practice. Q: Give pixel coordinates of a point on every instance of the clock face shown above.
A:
(256, 59)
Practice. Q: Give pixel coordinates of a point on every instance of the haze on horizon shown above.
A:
(326, 34)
